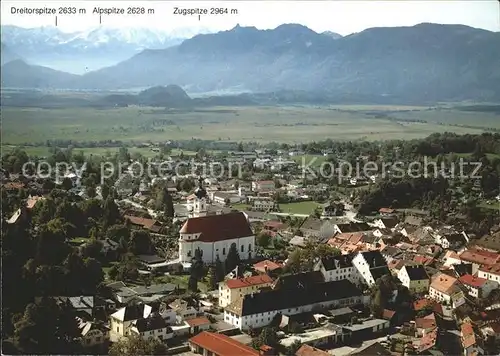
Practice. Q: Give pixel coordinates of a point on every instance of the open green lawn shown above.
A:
(263, 124)
(303, 207)
(309, 160)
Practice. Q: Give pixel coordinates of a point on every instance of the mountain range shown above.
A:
(426, 62)
(91, 49)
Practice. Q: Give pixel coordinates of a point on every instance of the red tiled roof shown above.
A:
(198, 321)
(468, 336)
(388, 314)
(13, 185)
(222, 345)
(271, 266)
(218, 227)
(428, 322)
(248, 281)
(428, 341)
(472, 281)
(493, 269)
(480, 257)
(422, 303)
(306, 350)
(386, 210)
(144, 222)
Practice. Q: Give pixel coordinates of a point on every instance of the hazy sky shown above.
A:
(343, 17)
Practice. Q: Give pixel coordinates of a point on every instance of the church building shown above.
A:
(214, 235)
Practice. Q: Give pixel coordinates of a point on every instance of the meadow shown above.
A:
(291, 124)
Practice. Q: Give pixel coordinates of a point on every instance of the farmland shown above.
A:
(291, 124)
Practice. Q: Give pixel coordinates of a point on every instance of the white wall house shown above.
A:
(214, 235)
(414, 278)
(491, 273)
(338, 268)
(371, 265)
(258, 310)
(478, 287)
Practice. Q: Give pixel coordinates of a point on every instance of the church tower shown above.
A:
(200, 207)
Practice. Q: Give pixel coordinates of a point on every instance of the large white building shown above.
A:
(371, 265)
(336, 268)
(259, 309)
(214, 235)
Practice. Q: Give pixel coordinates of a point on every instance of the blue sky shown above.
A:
(343, 17)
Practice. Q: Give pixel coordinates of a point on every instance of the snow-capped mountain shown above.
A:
(101, 46)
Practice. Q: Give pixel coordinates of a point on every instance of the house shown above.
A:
(489, 242)
(386, 223)
(311, 226)
(214, 235)
(386, 211)
(491, 272)
(414, 278)
(122, 320)
(267, 267)
(306, 350)
(149, 224)
(153, 326)
(352, 227)
(198, 324)
(332, 334)
(336, 268)
(371, 265)
(185, 309)
(92, 333)
(478, 287)
(425, 325)
(263, 185)
(443, 287)
(479, 258)
(232, 289)
(259, 309)
(264, 204)
(469, 342)
(215, 344)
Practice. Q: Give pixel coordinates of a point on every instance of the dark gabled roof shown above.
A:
(369, 238)
(416, 273)
(292, 298)
(463, 269)
(312, 223)
(378, 272)
(374, 258)
(304, 279)
(154, 322)
(354, 227)
(390, 222)
(334, 262)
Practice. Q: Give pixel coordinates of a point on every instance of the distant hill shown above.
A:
(422, 63)
(19, 74)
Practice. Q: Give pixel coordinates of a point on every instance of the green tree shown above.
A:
(263, 239)
(134, 345)
(212, 278)
(140, 242)
(111, 213)
(233, 258)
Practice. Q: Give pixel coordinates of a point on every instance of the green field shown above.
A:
(293, 124)
(303, 207)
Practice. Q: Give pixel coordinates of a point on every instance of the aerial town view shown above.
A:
(250, 178)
